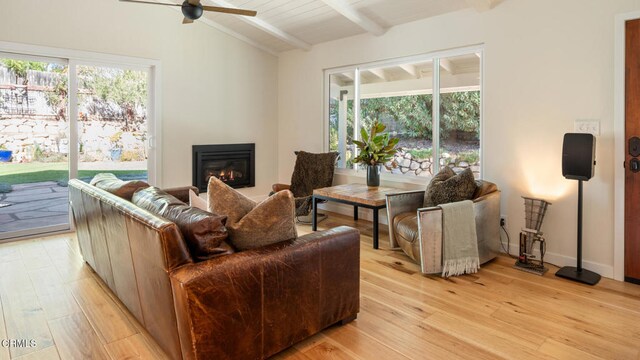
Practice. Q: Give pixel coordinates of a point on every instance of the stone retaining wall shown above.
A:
(424, 167)
(26, 134)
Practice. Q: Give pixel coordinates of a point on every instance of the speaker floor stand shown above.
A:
(584, 276)
(577, 273)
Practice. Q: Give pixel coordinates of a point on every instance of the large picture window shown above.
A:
(401, 93)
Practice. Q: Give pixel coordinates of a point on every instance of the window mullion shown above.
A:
(73, 120)
(356, 112)
(435, 116)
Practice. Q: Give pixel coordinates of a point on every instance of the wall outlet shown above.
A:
(587, 127)
(503, 220)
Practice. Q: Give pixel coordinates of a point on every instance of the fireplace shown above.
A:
(232, 163)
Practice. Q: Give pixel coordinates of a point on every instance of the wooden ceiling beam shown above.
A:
(348, 11)
(379, 73)
(410, 69)
(266, 27)
(447, 65)
(348, 75)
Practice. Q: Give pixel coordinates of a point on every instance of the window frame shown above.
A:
(435, 57)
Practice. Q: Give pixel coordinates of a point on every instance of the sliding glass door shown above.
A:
(62, 119)
(112, 122)
(34, 145)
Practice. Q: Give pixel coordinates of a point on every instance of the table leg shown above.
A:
(355, 213)
(314, 218)
(375, 228)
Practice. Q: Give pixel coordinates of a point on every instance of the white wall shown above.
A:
(215, 88)
(547, 63)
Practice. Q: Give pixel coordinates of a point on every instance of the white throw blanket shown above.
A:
(460, 241)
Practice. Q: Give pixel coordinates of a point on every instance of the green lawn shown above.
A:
(38, 172)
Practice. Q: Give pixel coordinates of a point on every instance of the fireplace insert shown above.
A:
(232, 163)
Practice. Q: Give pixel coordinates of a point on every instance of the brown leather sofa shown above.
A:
(247, 305)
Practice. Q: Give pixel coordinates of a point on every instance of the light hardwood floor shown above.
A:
(48, 294)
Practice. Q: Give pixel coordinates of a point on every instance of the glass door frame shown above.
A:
(73, 59)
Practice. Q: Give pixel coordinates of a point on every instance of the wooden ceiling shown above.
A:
(283, 25)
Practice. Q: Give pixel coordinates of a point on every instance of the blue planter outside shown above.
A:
(116, 154)
(5, 155)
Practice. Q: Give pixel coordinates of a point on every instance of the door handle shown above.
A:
(634, 165)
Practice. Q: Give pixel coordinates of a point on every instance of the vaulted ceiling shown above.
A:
(283, 25)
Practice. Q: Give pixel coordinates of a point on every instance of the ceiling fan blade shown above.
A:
(230, 10)
(194, 2)
(187, 21)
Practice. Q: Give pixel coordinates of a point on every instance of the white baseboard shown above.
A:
(549, 257)
(563, 260)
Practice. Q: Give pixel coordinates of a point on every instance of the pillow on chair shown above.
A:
(447, 187)
(250, 224)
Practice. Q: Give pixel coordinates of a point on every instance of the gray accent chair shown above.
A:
(418, 230)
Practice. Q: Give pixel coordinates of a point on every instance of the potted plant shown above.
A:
(116, 148)
(375, 149)
(5, 155)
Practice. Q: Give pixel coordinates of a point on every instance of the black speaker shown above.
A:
(578, 156)
(578, 163)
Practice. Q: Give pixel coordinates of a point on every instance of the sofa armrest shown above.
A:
(398, 203)
(182, 192)
(430, 237)
(255, 303)
(280, 187)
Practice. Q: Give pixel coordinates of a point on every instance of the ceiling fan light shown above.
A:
(192, 12)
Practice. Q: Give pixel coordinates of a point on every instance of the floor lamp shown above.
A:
(578, 163)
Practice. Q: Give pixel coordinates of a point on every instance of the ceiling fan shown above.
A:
(192, 9)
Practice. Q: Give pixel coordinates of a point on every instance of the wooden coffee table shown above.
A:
(358, 195)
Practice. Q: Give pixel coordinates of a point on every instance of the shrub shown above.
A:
(471, 157)
(421, 153)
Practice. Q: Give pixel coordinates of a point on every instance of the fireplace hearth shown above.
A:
(232, 163)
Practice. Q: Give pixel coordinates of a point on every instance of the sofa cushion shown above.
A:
(447, 187)
(110, 183)
(407, 235)
(204, 233)
(253, 225)
(483, 188)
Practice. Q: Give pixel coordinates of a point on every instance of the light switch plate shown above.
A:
(587, 127)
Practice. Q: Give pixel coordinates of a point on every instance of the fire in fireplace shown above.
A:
(232, 163)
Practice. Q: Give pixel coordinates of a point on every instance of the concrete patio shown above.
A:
(34, 205)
